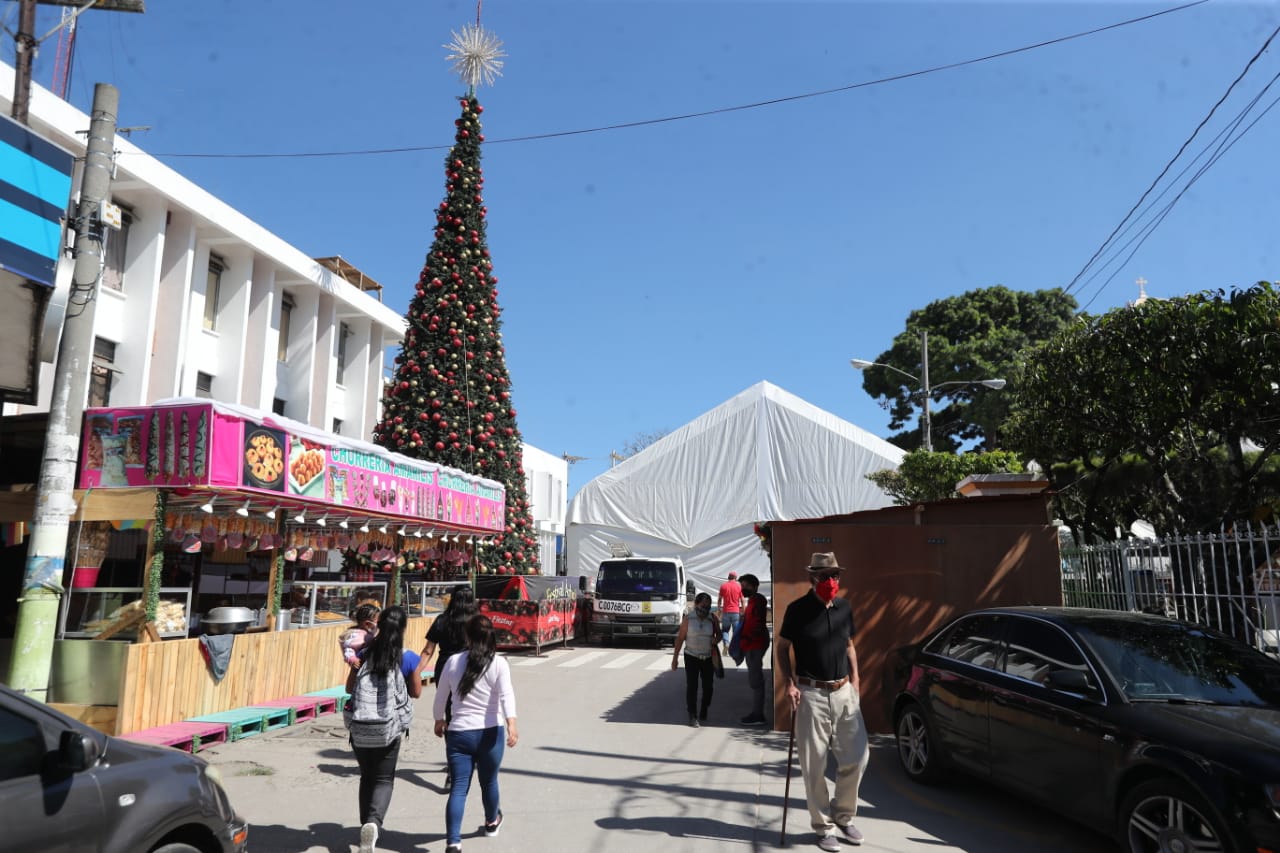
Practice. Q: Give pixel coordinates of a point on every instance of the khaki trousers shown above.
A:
(831, 721)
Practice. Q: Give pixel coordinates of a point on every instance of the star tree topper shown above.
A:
(475, 56)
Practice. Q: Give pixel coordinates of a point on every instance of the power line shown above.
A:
(707, 113)
(1106, 243)
(1223, 149)
(1223, 145)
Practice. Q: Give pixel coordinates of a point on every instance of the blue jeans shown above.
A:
(482, 750)
(728, 625)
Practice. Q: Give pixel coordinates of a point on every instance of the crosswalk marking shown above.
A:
(584, 659)
(660, 664)
(530, 661)
(624, 660)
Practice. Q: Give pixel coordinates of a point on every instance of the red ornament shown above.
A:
(439, 445)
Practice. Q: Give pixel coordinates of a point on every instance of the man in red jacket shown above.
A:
(754, 644)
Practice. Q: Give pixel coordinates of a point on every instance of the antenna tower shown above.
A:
(64, 58)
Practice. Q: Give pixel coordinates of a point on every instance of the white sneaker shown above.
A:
(369, 838)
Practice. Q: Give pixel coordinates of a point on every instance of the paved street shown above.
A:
(606, 762)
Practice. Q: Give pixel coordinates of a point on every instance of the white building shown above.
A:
(546, 479)
(197, 300)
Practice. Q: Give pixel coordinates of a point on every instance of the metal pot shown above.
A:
(227, 620)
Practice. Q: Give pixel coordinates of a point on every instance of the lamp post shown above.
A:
(926, 390)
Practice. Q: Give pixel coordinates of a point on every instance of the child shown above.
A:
(355, 640)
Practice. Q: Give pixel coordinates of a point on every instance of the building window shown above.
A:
(344, 332)
(286, 318)
(212, 291)
(204, 386)
(101, 372)
(116, 250)
(337, 426)
(277, 406)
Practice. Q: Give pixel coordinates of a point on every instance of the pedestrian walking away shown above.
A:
(483, 724)
(448, 632)
(378, 717)
(699, 636)
(729, 603)
(446, 637)
(818, 663)
(754, 642)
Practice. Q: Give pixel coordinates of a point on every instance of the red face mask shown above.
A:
(827, 589)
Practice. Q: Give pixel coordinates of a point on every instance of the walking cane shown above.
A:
(786, 796)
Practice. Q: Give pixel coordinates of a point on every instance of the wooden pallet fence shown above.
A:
(169, 681)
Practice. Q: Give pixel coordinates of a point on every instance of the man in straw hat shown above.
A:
(822, 686)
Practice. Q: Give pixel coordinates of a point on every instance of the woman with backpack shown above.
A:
(378, 716)
(478, 682)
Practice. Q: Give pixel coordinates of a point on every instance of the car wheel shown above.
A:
(1165, 814)
(177, 848)
(917, 751)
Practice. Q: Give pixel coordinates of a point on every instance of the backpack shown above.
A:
(379, 710)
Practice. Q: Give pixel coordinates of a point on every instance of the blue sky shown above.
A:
(648, 274)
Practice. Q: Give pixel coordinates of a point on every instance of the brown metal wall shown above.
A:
(908, 570)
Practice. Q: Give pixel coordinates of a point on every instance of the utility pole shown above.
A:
(55, 499)
(926, 420)
(26, 44)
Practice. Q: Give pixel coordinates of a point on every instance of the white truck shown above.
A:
(639, 598)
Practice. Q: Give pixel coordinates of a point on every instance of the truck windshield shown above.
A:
(630, 578)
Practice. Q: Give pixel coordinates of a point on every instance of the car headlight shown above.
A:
(214, 775)
(667, 618)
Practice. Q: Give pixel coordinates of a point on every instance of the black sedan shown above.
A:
(1163, 733)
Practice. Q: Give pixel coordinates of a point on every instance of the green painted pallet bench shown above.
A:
(275, 716)
(245, 722)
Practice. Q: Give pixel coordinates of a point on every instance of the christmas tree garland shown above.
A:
(156, 570)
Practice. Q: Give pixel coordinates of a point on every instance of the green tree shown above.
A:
(981, 334)
(924, 476)
(450, 398)
(1169, 410)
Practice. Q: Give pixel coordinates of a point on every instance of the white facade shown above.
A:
(196, 298)
(546, 479)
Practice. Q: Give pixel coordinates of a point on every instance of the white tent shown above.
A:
(764, 455)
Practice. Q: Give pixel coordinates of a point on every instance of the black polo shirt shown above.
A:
(820, 636)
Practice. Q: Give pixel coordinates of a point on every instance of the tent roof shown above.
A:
(764, 455)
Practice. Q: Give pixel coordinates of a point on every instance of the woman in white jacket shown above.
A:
(483, 723)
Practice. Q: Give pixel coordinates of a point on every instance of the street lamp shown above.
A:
(926, 390)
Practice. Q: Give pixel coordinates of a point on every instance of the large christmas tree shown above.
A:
(450, 399)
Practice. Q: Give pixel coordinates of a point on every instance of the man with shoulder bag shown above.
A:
(752, 638)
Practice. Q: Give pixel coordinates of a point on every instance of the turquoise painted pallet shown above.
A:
(275, 716)
(243, 722)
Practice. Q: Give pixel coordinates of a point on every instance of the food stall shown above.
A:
(245, 510)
